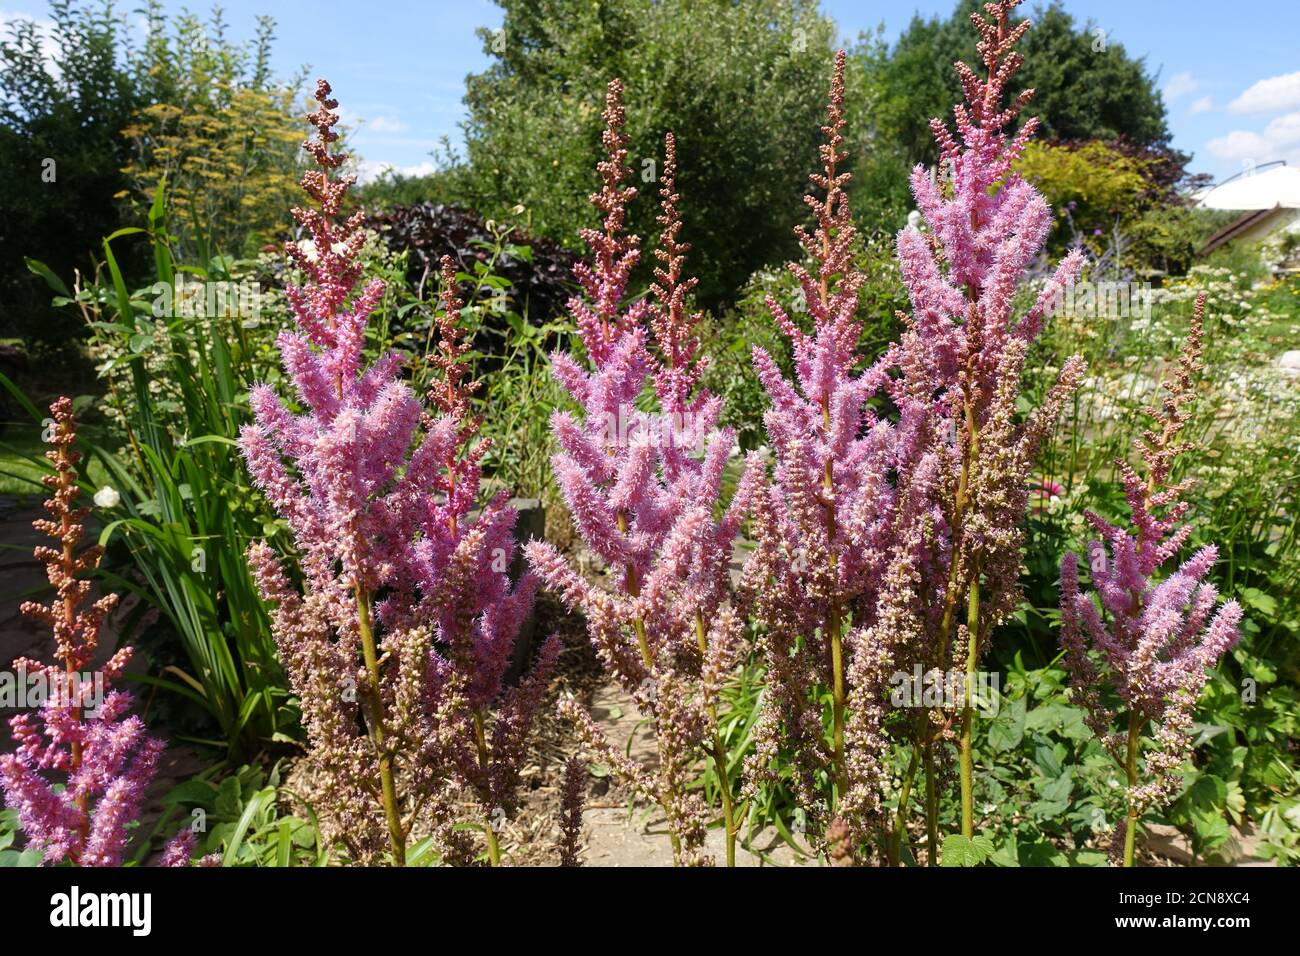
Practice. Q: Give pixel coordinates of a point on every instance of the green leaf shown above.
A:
(1088, 858)
(20, 398)
(1059, 788)
(1266, 604)
(1008, 729)
(25, 858)
(1006, 855)
(197, 792)
(1047, 759)
(1042, 853)
(1209, 794)
(1211, 830)
(228, 803)
(255, 806)
(45, 272)
(959, 851)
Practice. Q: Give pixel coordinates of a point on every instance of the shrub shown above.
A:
(734, 81)
(60, 125)
(219, 130)
(537, 270)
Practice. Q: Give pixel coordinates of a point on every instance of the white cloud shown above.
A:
(1180, 85)
(386, 124)
(1202, 105)
(368, 170)
(1280, 139)
(1275, 93)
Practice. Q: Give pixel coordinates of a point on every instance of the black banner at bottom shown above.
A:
(339, 907)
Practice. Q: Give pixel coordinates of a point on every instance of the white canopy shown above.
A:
(1276, 187)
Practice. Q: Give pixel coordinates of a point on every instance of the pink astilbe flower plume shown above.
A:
(877, 531)
(963, 354)
(399, 638)
(644, 489)
(823, 521)
(83, 735)
(1151, 640)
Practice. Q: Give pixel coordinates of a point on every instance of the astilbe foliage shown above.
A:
(398, 639)
(94, 747)
(1150, 639)
(644, 488)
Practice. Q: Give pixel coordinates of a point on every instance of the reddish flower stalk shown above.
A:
(643, 488)
(673, 324)
(83, 732)
(452, 393)
(571, 807)
(823, 522)
(1151, 640)
(407, 618)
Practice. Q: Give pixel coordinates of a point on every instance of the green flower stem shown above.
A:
(1131, 766)
(396, 834)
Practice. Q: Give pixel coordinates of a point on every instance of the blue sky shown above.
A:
(1230, 73)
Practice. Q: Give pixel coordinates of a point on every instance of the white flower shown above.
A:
(107, 497)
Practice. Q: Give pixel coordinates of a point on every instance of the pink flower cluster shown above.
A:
(407, 618)
(94, 747)
(107, 760)
(878, 530)
(1153, 640)
(644, 488)
(964, 348)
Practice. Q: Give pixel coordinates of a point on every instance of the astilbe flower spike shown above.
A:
(571, 808)
(963, 355)
(180, 849)
(399, 638)
(644, 488)
(823, 521)
(1151, 640)
(93, 745)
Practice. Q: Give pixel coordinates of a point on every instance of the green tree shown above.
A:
(742, 85)
(223, 132)
(64, 98)
(1086, 85)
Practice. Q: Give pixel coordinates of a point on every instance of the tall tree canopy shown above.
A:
(740, 84)
(1087, 86)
